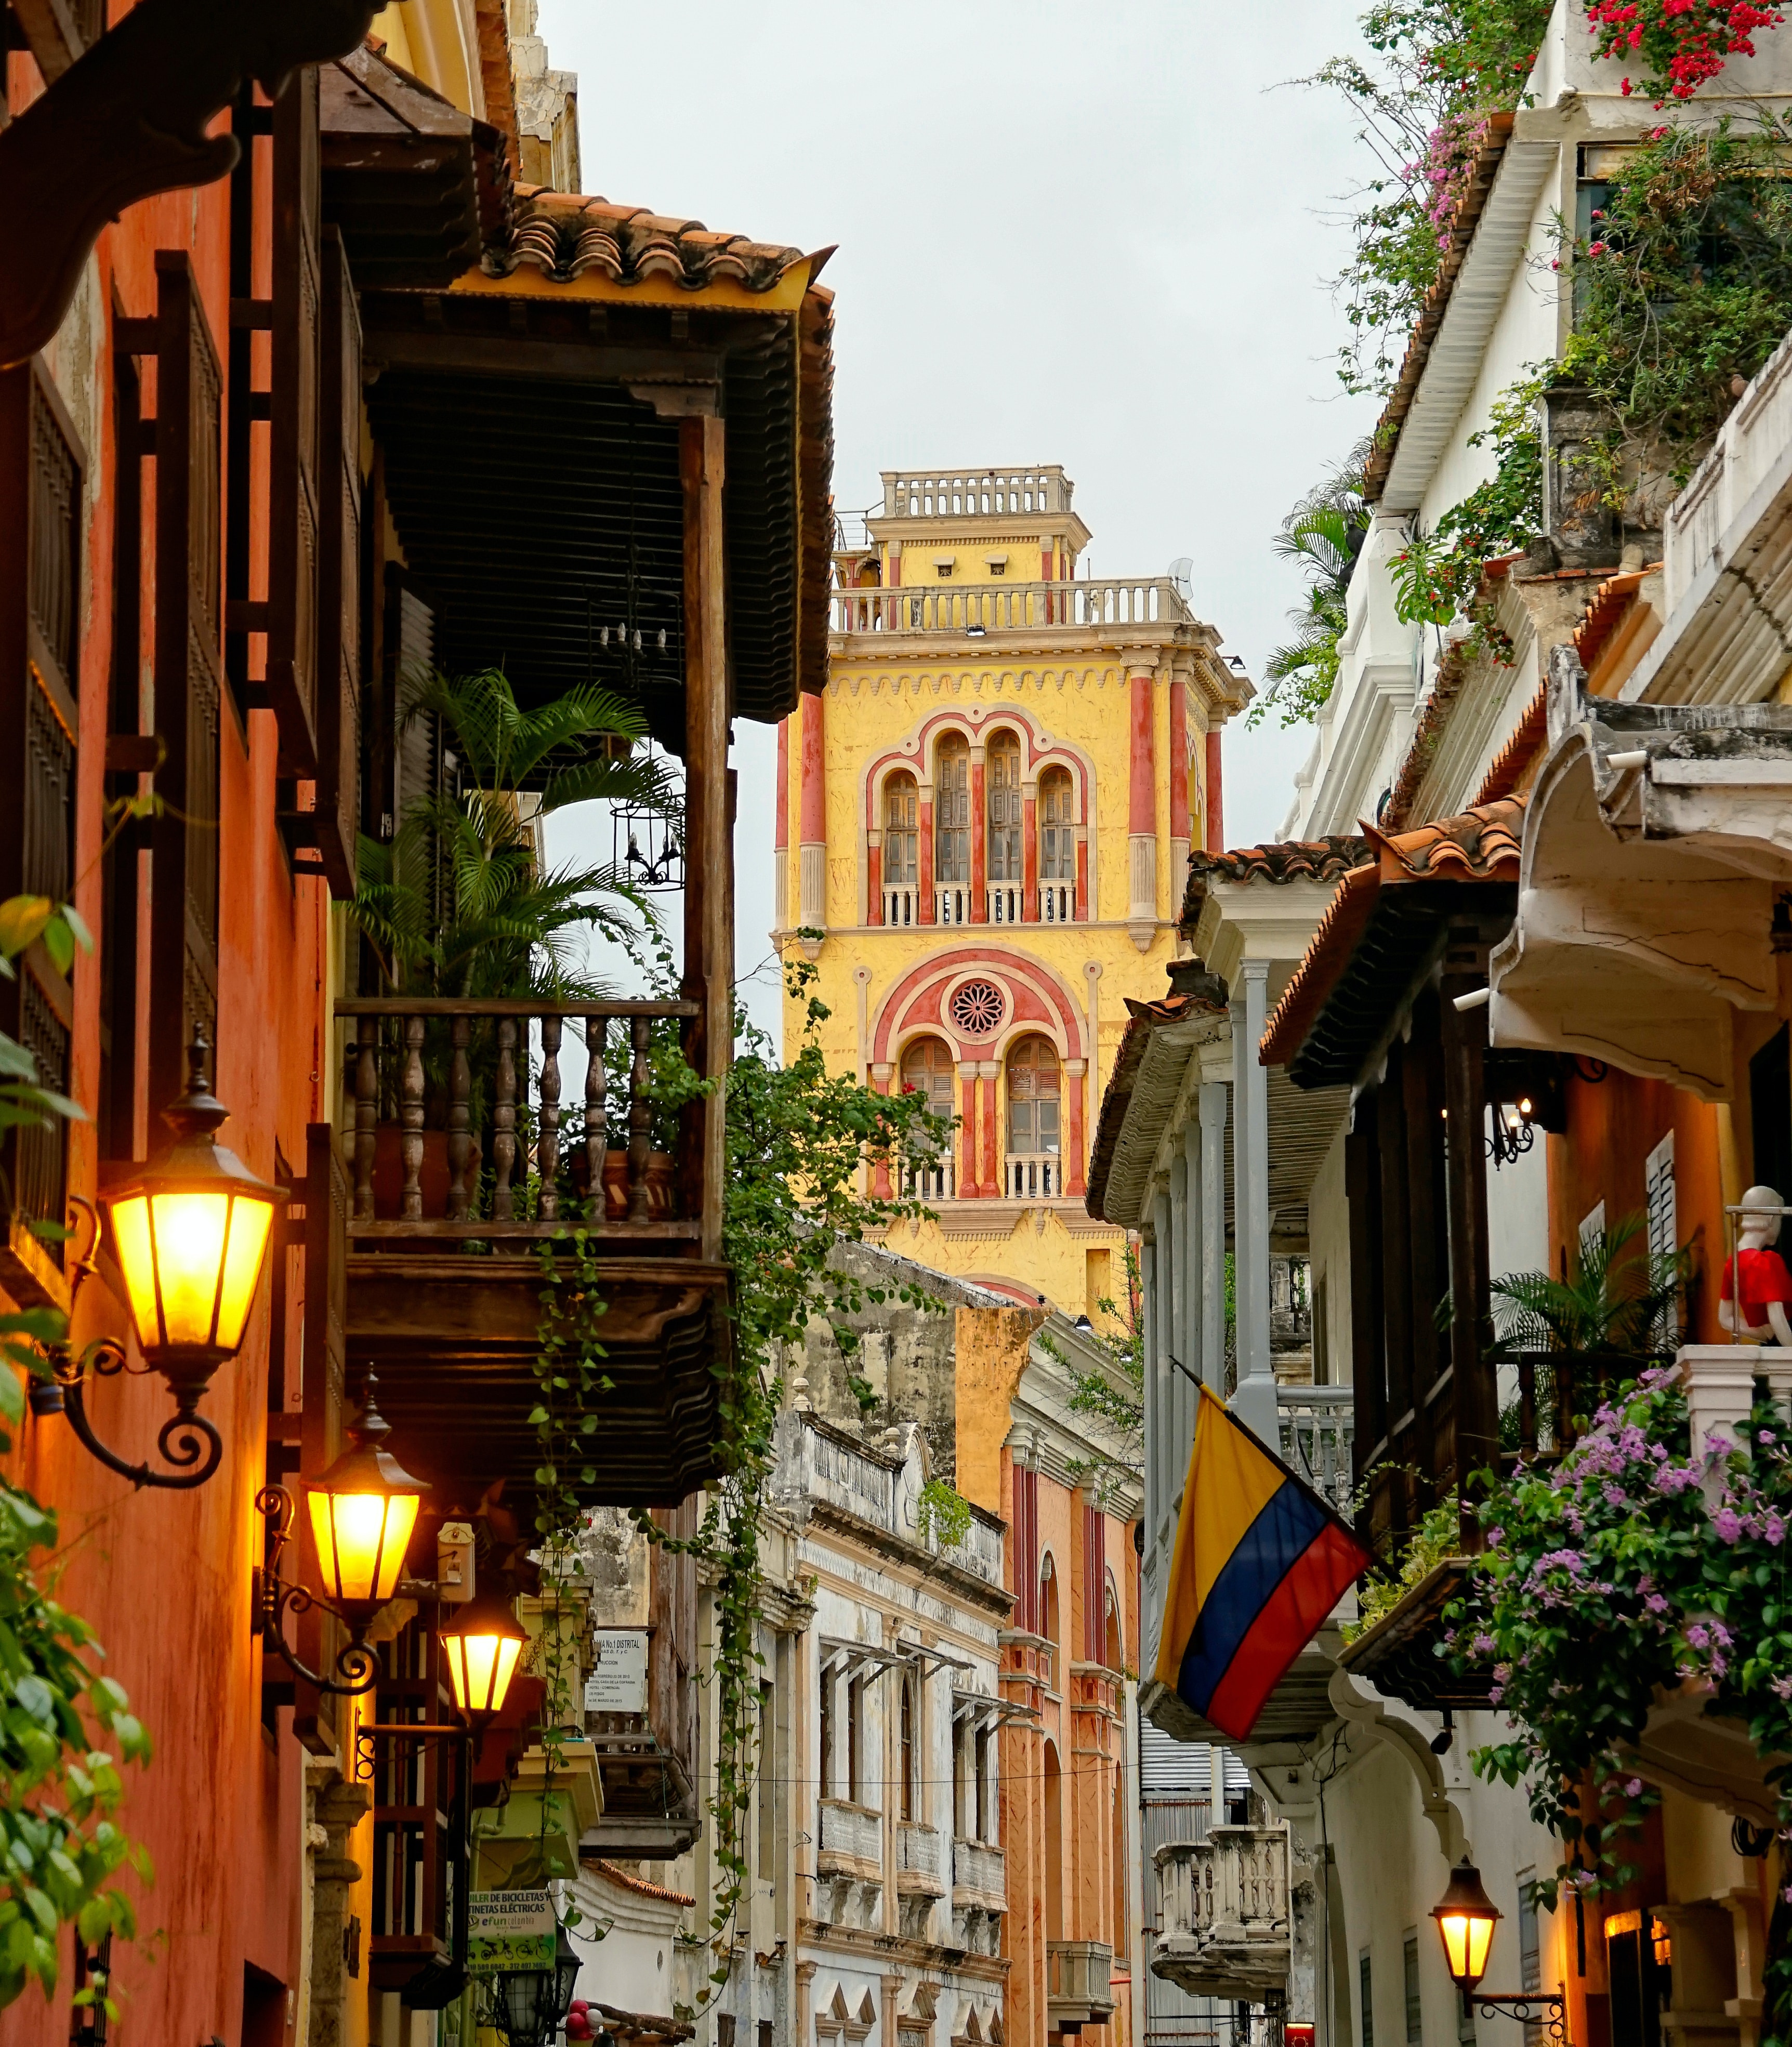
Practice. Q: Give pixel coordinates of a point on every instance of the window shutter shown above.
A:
(41, 466)
(338, 815)
(410, 642)
(189, 680)
(292, 511)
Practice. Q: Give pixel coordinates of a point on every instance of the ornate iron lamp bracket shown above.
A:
(356, 1666)
(187, 1440)
(1547, 2008)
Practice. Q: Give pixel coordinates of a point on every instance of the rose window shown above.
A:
(977, 1008)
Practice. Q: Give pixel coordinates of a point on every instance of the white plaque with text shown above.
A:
(617, 1683)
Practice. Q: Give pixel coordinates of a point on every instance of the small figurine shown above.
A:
(1765, 1281)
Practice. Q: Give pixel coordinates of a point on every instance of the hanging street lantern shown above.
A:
(191, 1231)
(482, 1645)
(528, 2005)
(1466, 1917)
(362, 1510)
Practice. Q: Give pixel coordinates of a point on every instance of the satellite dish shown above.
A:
(1182, 571)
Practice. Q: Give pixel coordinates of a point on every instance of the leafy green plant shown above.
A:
(1682, 42)
(941, 1516)
(799, 1140)
(1438, 1536)
(1618, 1297)
(1682, 281)
(1436, 69)
(1322, 536)
(458, 903)
(60, 1847)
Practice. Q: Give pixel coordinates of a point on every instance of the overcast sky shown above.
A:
(1096, 237)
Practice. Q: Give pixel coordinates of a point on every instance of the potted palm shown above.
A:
(461, 902)
(1573, 1340)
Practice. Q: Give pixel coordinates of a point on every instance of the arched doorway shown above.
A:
(1054, 1846)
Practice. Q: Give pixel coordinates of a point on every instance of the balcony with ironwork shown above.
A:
(1225, 1914)
(483, 1135)
(1079, 1988)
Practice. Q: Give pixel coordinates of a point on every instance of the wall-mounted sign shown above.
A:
(618, 1680)
(510, 1929)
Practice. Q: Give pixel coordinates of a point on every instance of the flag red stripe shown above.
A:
(1291, 1618)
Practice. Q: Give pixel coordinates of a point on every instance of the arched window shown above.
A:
(902, 812)
(1054, 1846)
(926, 1069)
(1035, 1161)
(1113, 1651)
(1048, 1617)
(1002, 783)
(1058, 837)
(908, 1749)
(952, 827)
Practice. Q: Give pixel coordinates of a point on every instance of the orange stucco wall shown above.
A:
(164, 1578)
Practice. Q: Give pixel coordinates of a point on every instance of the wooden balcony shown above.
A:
(484, 1134)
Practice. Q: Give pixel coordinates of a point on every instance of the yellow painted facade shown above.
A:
(967, 655)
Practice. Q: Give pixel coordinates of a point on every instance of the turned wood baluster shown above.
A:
(503, 1122)
(410, 1115)
(641, 1119)
(547, 1151)
(460, 1142)
(596, 1128)
(367, 1114)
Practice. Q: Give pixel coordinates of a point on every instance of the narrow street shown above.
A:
(805, 1245)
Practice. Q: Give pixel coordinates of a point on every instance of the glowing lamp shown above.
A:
(1466, 1917)
(363, 1509)
(482, 1646)
(190, 1230)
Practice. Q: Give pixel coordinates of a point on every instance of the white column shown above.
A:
(1155, 1418)
(1170, 1472)
(1255, 1400)
(1193, 1333)
(1212, 1236)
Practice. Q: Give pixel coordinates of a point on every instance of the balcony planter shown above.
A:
(1409, 1653)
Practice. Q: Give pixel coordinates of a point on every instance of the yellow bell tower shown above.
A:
(983, 830)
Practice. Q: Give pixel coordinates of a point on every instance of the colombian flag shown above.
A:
(1260, 1560)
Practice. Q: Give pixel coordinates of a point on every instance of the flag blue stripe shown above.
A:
(1280, 1535)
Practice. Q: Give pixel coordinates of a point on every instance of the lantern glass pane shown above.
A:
(130, 1229)
(480, 1668)
(1454, 1927)
(361, 1538)
(250, 1221)
(190, 1235)
(1480, 1939)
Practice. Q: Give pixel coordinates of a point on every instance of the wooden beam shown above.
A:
(709, 882)
(50, 34)
(1471, 1325)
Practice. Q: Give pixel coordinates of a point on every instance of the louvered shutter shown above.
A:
(189, 680)
(338, 815)
(411, 655)
(41, 464)
(293, 467)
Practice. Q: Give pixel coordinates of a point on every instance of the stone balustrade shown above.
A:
(1318, 1430)
(1224, 1914)
(1074, 608)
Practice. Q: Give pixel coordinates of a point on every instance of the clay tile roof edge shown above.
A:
(628, 1881)
(1482, 844)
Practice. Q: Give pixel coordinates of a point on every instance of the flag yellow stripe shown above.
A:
(1230, 1481)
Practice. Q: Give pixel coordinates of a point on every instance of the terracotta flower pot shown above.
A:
(661, 1191)
(432, 1176)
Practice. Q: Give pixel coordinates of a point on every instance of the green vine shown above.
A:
(943, 1516)
(802, 1144)
(60, 1846)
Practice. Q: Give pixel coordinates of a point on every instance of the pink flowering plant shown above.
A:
(1680, 45)
(1617, 1575)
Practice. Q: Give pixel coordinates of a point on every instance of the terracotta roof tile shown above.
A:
(1463, 221)
(1512, 763)
(1143, 1018)
(1481, 844)
(566, 235)
(1277, 861)
(640, 1885)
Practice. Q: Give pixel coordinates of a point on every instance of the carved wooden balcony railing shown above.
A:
(480, 1132)
(508, 1157)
